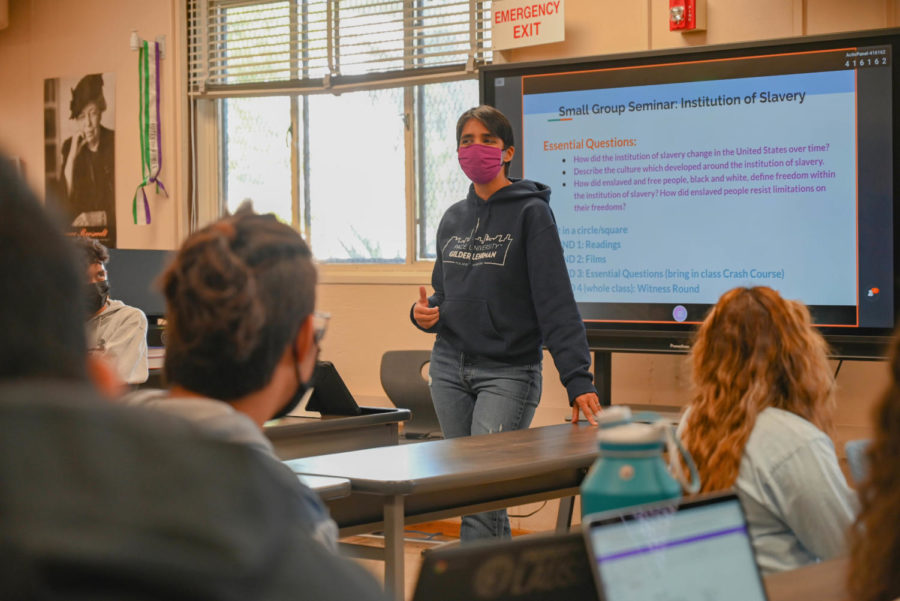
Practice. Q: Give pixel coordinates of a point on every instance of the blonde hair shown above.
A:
(754, 350)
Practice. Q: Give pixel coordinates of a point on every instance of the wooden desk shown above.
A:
(824, 581)
(295, 437)
(413, 483)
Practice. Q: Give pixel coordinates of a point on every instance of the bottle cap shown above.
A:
(632, 434)
(614, 416)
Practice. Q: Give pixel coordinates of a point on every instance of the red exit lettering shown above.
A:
(527, 30)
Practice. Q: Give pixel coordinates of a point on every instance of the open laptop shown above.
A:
(525, 568)
(692, 549)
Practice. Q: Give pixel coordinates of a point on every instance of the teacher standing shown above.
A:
(501, 291)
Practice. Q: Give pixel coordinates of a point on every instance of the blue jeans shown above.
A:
(475, 395)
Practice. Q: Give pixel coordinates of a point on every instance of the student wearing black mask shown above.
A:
(114, 329)
(242, 335)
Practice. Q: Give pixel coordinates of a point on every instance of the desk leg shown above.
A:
(564, 515)
(393, 548)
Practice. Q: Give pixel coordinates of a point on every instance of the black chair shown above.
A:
(405, 386)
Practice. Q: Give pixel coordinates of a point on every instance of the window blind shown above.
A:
(252, 46)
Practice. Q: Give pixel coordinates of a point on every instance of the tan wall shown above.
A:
(50, 38)
(62, 38)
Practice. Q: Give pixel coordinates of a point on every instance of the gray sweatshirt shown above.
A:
(120, 333)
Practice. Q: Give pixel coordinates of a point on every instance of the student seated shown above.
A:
(242, 336)
(115, 330)
(762, 404)
(875, 559)
(100, 501)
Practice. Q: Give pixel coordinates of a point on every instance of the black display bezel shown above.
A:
(850, 343)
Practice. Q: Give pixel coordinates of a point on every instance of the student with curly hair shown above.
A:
(762, 404)
(101, 501)
(242, 336)
(875, 557)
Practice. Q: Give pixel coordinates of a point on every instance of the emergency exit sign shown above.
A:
(517, 23)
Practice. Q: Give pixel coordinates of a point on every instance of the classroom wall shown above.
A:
(47, 39)
(50, 38)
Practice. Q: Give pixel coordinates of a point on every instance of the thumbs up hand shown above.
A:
(424, 315)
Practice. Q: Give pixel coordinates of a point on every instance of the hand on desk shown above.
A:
(587, 403)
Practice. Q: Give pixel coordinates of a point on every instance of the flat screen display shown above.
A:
(679, 175)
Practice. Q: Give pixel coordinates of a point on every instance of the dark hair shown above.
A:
(237, 294)
(92, 251)
(495, 121)
(876, 538)
(88, 89)
(41, 308)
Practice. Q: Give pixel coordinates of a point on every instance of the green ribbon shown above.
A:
(150, 132)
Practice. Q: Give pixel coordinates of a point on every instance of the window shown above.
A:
(256, 157)
(356, 176)
(338, 116)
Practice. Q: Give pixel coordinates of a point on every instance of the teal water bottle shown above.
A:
(630, 469)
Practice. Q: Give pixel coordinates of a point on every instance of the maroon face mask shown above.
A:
(480, 163)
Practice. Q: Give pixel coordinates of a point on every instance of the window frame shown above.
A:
(210, 176)
(207, 143)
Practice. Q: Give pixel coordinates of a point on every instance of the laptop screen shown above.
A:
(700, 549)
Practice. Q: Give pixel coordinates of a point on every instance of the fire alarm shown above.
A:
(687, 15)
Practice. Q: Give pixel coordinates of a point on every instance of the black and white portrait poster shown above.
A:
(79, 152)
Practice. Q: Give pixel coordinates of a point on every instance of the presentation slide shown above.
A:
(674, 193)
(678, 175)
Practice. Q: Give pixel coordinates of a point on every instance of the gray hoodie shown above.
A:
(120, 333)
